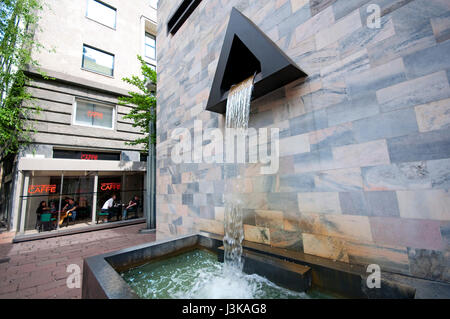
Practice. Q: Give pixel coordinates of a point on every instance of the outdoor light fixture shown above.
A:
(247, 50)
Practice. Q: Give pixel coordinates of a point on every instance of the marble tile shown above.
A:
(413, 233)
(346, 25)
(294, 145)
(291, 240)
(318, 22)
(333, 136)
(439, 171)
(366, 37)
(297, 4)
(376, 78)
(327, 247)
(428, 60)
(385, 125)
(429, 264)
(323, 202)
(339, 180)
(269, 218)
(350, 227)
(401, 176)
(441, 27)
(257, 234)
(433, 116)
(355, 109)
(383, 203)
(209, 225)
(365, 154)
(354, 203)
(420, 147)
(390, 258)
(303, 182)
(421, 90)
(319, 5)
(425, 204)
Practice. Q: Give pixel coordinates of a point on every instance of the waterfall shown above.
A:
(237, 116)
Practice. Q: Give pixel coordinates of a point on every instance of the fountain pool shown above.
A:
(197, 274)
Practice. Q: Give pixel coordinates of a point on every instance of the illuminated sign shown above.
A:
(38, 189)
(95, 114)
(89, 157)
(110, 186)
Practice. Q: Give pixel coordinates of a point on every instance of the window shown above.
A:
(94, 114)
(101, 12)
(98, 61)
(150, 46)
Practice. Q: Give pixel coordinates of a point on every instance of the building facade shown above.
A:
(364, 139)
(79, 149)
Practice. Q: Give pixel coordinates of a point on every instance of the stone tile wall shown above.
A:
(365, 141)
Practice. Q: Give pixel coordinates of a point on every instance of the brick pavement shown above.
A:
(37, 269)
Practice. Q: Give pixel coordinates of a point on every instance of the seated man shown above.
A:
(108, 205)
(70, 209)
(132, 207)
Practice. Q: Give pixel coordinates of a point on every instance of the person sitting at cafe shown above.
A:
(108, 206)
(70, 208)
(42, 208)
(132, 207)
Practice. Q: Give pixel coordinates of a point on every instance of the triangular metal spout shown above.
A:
(247, 50)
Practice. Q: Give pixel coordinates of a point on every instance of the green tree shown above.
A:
(18, 21)
(144, 103)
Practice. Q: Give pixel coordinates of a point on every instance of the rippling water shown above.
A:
(198, 275)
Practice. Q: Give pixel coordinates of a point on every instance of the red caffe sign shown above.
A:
(110, 186)
(39, 189)
(89, 157)
(95, 114)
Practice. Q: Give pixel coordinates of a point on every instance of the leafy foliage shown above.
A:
(144, 102)
(18, 21)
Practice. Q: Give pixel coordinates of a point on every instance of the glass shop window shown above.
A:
(98, 61)
(102, 13)
(93, 114)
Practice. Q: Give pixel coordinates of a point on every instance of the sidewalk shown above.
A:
(37, 269)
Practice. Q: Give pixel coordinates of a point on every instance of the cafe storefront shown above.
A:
(86, 182)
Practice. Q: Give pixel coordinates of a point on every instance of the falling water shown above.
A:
(238, 110)
(238, 104)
